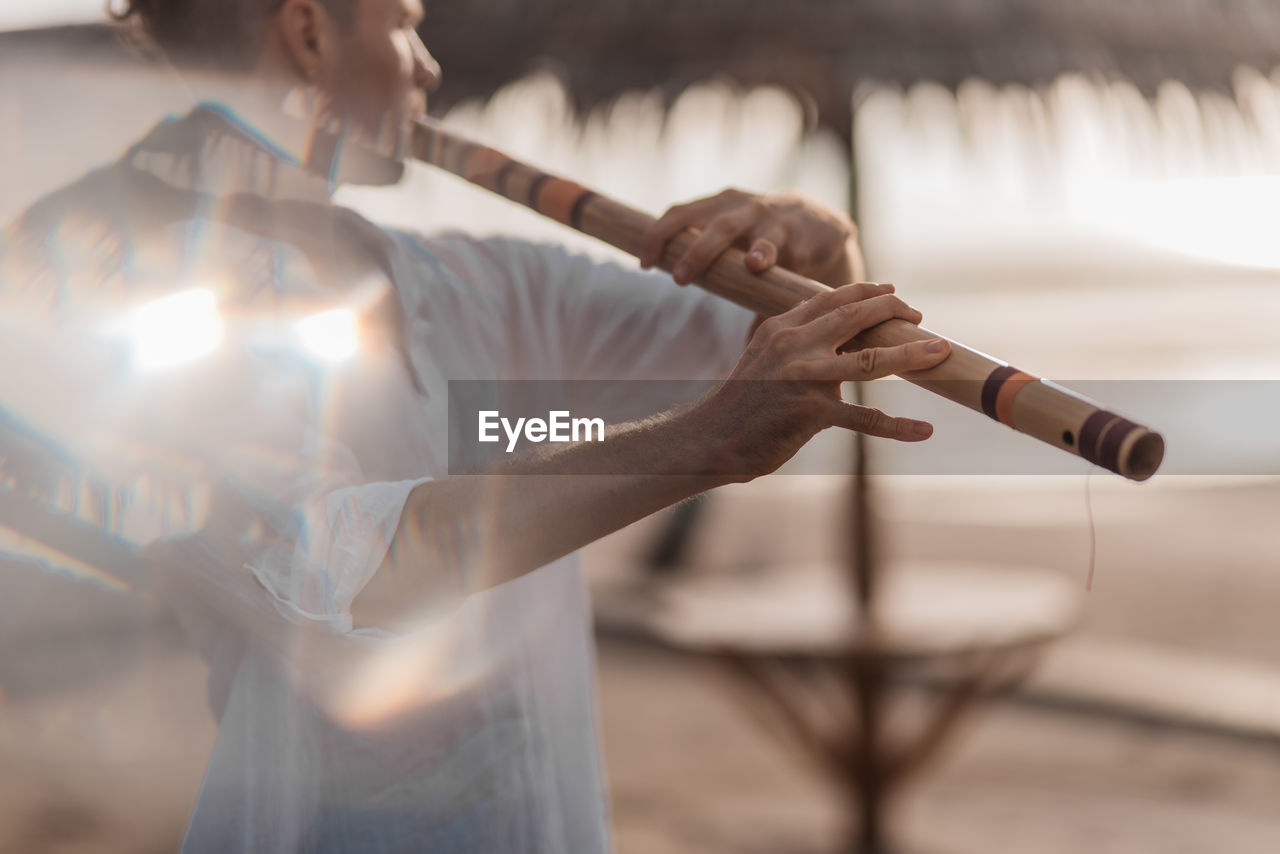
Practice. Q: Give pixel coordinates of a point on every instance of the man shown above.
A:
(401, 660)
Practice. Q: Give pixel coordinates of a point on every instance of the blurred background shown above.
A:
(1088, 190)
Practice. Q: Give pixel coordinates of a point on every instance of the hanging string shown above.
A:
(1093, 527)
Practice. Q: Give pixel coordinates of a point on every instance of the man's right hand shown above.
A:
(786, 387)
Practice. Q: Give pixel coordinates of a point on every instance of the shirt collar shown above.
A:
(221, 152)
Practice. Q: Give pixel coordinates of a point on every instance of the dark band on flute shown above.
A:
(559, 199)
(535, 189)
(1112, 439)
(999, 391)
(504, 174)
(1091, 432)
(1102, 436)
(575, 213)
(991, 388)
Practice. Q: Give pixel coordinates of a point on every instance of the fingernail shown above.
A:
(681, 272)
(923, 429)
(936, 345)
(756, 255)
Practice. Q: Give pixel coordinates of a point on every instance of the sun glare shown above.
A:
(175, 330)
(330, 336)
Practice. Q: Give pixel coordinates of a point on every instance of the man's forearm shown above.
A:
(465, 534)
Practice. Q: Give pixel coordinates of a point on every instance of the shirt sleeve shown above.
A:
(326, 521)
(318, 526)
(575, 318)
(343, 537)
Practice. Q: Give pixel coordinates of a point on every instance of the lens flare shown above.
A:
(175, 330)
(331, 336)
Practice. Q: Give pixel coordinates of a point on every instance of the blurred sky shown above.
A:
(17, 14)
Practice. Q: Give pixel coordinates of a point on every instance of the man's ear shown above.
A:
(308, 36)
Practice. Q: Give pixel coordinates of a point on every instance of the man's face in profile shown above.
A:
(384, 70)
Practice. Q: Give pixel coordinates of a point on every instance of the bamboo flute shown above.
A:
(1023, 402)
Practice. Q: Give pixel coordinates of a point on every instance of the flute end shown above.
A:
(1144, 457)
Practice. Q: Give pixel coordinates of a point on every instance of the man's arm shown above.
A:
(472, 533)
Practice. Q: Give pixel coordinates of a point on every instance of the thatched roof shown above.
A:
(824, 49)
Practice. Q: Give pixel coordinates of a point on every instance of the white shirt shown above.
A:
(476, 733)
(507, 760)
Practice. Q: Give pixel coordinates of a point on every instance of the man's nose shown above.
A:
(426, 71)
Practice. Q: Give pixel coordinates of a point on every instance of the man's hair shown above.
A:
(224, 33)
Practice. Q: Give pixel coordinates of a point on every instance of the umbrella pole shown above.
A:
(865, 674)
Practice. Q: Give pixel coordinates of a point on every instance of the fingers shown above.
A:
(817, 306)
(844, 321)
(671, 223)
(718, 236)
(763, 252)
(727, 219)
(875, 362)
(873, 422)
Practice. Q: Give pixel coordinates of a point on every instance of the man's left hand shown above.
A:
(791, 230)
